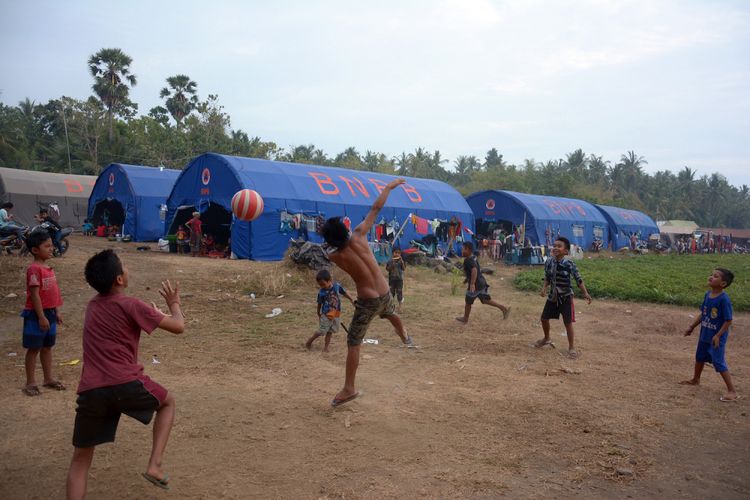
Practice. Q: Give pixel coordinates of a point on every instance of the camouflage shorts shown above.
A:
(365, 311)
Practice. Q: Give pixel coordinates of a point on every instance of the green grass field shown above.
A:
(669, 279)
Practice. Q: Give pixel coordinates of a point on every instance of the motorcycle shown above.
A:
(62, 237)
(11, 239)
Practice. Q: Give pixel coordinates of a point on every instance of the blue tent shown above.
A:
(546, 216)
(210, 180)
(131, 196)
(623, 222)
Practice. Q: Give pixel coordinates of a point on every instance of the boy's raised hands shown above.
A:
(171, 295)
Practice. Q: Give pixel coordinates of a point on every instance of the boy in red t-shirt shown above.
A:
(112, 380)
(41, 314)
(196, 233)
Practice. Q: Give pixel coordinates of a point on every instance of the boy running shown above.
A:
(477, 286)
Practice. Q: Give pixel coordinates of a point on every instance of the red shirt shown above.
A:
(44, 277)
(195, 226)
(111, 332)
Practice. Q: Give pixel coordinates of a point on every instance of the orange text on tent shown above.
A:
(356, 187)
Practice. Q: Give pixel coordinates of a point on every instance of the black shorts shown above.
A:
(553, 310)
(483, 295)
(99, 410)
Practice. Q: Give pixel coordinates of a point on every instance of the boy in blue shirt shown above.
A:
(329, 307)
(715, 320)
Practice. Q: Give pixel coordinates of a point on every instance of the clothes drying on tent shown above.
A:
(309, 189)
(577, 220)
(132, 197)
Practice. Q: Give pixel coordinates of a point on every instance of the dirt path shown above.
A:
(475, 413)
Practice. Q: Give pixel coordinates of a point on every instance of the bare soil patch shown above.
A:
(475, 413)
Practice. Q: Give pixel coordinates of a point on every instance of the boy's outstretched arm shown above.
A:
(176, 322)
(364, 227)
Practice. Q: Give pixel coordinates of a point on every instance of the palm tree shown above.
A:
(630, 170)
(598, 166)
(404, 163)
(112, 79)
(576, 162)
(181, 96)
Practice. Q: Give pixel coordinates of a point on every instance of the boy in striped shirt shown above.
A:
(558, 273)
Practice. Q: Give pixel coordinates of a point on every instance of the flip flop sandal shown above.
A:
(728, 400)
(160, 483)
(542, 343)
(339, 402)
(56, 385)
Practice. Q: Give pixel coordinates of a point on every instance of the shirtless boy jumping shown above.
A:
(353, 255)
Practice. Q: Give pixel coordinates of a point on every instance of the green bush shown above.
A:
(663, 279)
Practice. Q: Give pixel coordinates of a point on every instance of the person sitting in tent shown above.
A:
(353, 255)
(207, 244)
(87, 228)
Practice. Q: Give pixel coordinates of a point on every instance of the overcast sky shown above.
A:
(535, 79)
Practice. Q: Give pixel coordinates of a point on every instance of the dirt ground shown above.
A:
(475, 412)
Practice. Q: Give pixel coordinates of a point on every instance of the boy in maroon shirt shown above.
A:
(41, 313)
(112, 381)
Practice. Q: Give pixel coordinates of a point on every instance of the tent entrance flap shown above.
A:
(109, 213)
(217, 221)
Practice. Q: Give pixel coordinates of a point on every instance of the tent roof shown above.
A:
(625, 217)
(551, 208)
(19, 181)
(144, 181)
(677, 226)
(292, 181)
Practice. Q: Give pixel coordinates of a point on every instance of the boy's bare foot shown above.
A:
(506, 313)
(542, 342)
(461, 319)
(690, 382)
(325, 349)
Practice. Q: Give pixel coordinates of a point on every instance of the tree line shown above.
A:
(83, 136)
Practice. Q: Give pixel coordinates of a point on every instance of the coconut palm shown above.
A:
(575, 162)
(112, 80)
(628, 171)
(181, 96)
